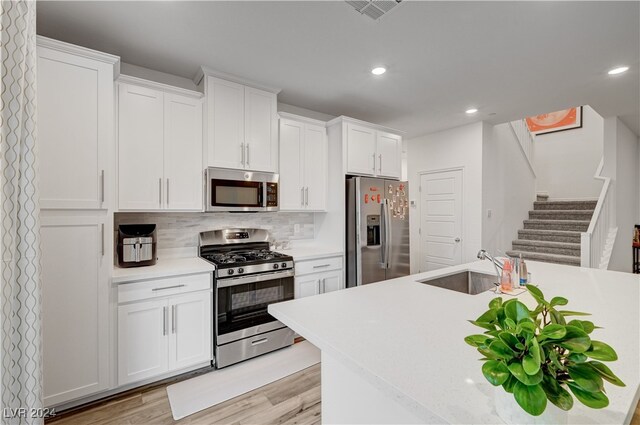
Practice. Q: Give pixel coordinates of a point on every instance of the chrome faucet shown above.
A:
(484, 255)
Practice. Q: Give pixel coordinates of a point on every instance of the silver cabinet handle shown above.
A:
(242, 153)
(323, 286)
(306, 196)
(167, 192)
(247, 146)
(102, 186)
(160, 192)
(164, 321)
(321, 266)
(380, 163)
(168, 287)
(102, 239)
(302, 196)
(174, 319)
(259, 341)
(374, 163)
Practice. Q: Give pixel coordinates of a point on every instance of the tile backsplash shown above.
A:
(180, 230)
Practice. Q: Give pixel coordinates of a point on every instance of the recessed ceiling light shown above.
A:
(618, 70)
(471, 111)
(378, 70)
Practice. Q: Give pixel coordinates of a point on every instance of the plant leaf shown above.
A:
(487, 317)
(496, 372)
(501, 349)
(573, 313)
(606, 373)
(516, 311)
(577, 357)
(509, 384)
(537, 294)
(495, 303)
(594, 400)
(510, 340)
(553, 332)
(576, 323)
(488, 353)
(556, 317)
(531, 362)
(556, 394)
(586, 378)
(575, 340)
(477, 340)
(517, 370)
(559, 301)
(531, 398)
(601, 351)
(484, 325)
(587, 326)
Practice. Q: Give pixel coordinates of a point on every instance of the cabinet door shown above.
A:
(140, 148)
(291, 158)
(315, 167)
(75, 130)
(306, 286)
(182, 152)
(361, 150)
(332, 281)
(225, 123)
(143, 341)
(191, 330)
(260, 130)
(389, 147)
(75, 302)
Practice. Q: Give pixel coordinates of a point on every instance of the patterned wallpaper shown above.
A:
(180, 230)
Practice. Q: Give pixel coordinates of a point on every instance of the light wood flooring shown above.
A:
(292, 400)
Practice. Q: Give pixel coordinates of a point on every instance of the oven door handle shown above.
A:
(259, 277)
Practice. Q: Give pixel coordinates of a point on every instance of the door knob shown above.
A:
(457, 240)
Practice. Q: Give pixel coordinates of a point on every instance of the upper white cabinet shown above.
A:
(242, 126)
(304, 168)
(159, 147)
(370, 150)
(75, 125)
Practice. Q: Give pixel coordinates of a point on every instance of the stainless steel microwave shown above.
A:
(238, 190)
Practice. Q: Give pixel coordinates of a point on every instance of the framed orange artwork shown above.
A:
(566, 119)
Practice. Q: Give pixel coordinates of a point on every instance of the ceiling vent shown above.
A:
(374, 9)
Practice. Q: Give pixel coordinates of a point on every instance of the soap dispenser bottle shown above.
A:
(505, 280)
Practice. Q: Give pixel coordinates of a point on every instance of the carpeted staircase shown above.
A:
(552, 232)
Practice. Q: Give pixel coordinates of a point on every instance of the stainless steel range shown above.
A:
(248, 278)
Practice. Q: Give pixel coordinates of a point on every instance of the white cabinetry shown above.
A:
(319, 276)
(304, 168)
(164, 325)
(370, 151)
(242, 126)
(159, 147)
(76, 156)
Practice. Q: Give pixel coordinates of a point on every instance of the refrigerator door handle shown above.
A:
(383, 235)
(387, 236)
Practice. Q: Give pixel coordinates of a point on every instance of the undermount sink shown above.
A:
(471, 283)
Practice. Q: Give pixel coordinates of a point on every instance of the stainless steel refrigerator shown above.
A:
(377, 230)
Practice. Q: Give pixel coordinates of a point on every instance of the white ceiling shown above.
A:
(508, 59)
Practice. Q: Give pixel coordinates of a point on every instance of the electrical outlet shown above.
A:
(296, 229)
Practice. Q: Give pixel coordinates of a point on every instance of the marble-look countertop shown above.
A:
(163, 268)
(311, 251)
(407, 338)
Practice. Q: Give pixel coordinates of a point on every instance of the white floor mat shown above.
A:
(196, 394)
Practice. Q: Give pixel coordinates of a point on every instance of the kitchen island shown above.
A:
(394, 351)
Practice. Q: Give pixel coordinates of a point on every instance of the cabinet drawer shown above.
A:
(318, 266)
(163, 287)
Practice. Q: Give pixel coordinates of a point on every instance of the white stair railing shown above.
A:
(525, 138)
(593, 242)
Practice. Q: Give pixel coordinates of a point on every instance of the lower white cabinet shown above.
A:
(315, 277)
(160, 335)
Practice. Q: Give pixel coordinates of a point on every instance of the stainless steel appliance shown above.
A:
(240, 191)
(247, 279)
(136, 245)
(377, 230)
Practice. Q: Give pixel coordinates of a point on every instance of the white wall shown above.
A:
(456, 147)
(621, 164)
(508, 187)
(566, 161)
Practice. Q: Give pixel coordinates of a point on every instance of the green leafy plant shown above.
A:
(541, 355)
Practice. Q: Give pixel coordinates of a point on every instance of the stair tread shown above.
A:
(551, 232)
(543, 221)
(547, 243)
(562, 211)
(571, 259)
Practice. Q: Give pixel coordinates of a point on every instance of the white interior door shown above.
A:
(440, 219)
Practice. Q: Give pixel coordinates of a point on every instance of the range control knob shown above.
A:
(283, 265)
(275, 266)
(230, 271)
(240, 270)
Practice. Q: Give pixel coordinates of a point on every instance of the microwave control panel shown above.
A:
(272, 194)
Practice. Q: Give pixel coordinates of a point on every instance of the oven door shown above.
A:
(241, 304)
